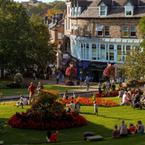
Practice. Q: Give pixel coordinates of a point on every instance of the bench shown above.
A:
(94, 138)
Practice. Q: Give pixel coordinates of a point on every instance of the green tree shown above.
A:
(44, 52)
(134, 65)
(14, 27)
(23, 40)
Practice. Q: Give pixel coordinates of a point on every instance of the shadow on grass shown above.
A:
(104, 116)
(28, 136)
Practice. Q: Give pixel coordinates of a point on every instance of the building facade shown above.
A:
(103, 31)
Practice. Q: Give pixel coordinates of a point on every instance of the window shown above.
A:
(119, 53)
(111, 52)
(128, 10)
(60, 35)
(102, 52)
(133, 31)
(94, 51)
(128, 49)
(103, 10)
(106, 30)
(85, 51)
(99, 29)
(125, 31)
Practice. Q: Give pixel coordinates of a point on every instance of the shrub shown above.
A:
(46, 113)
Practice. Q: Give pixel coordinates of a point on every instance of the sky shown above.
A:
(38, 0)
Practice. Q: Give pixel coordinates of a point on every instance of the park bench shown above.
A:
(90, 136)
(95, 138)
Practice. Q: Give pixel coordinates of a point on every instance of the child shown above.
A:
(140, 127)
(115, 133)
(20, 102)
(95, 108)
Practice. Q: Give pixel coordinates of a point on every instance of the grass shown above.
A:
(61, 88)
(17, 92)
(102, 124)
(13, 92)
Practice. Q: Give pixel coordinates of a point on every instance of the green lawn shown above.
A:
(61, 88)
(101, 124)
(15, 92)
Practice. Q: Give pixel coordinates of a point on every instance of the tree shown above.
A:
(134, 65)
(23, 40)
(44, 52)
(14, 27)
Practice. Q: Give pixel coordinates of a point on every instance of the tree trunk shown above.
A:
(2, 73)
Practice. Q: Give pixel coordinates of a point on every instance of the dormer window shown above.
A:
(129, 8)
(103, 9)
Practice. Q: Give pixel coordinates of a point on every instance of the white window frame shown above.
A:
(104, 10)
(129, 8)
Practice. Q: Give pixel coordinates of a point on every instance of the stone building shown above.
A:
(103, 31)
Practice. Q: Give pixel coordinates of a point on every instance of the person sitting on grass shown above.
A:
(140, 127)
(116, 132)
(132, 129)
(51, 137)
(20, 102)
(123, 129)
(125, 99)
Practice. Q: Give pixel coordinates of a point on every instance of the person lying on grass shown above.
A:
(51, 137)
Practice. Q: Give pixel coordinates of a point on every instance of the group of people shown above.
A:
(72, 105)
(135, 98)
(32, 90)
(123, 131)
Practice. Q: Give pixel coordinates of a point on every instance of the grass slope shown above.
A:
(101, 124)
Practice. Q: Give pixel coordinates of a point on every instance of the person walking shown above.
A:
(31, 90)
(87, 82)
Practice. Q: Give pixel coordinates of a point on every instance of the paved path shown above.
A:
(78, 92)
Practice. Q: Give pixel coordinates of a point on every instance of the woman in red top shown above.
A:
(132, 129)
(31, 90)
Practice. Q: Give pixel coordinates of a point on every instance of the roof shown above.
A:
(90, 8)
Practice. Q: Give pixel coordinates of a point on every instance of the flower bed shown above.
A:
(46, 113)
(68, 120)
(109, 94)
(89, 101)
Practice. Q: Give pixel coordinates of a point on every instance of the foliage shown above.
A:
(18, 78)
(48, 9)
(23, 40)
(47, 102)
(46, 113)
(134, 65)
(43, 52)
